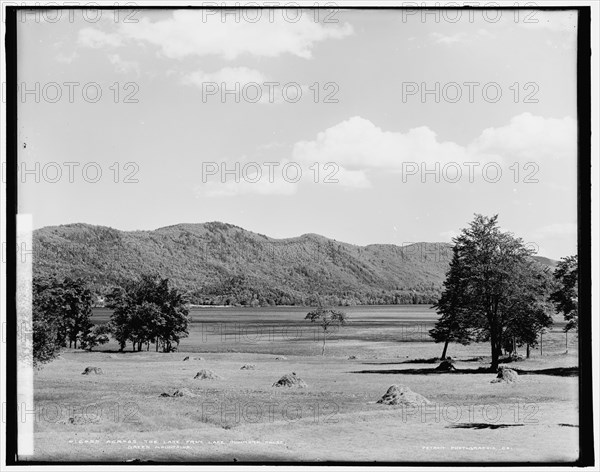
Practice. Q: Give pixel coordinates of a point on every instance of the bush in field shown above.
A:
(326, 318)
(61, 313)
(148, 311)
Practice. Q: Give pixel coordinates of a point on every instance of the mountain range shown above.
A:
(222, 264)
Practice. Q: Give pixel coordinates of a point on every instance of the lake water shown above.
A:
(378, 314)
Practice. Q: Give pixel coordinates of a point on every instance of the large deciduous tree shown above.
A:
(566, 297)
(61, 314)
(494, 289)
(147, 310)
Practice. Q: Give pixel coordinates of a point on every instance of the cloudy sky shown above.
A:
(364, 126)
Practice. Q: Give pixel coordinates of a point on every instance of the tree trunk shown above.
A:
(323, 348)
(566, 342)
(445, 350)
(541, 344)
(495, 352)
(528, 351)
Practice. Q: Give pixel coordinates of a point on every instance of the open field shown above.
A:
(121, 416)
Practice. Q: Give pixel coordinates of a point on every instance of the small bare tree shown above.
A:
(326, 318)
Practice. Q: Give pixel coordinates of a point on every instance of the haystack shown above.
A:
(447, 365)
(92, 370)
(290, 380)
(183, 392)
(402, 395)
(505, 374)
(207, 374)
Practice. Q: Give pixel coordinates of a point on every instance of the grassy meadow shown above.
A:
(121, 415)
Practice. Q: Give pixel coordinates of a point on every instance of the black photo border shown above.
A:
(584, 239)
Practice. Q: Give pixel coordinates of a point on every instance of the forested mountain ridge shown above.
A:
(219, 263)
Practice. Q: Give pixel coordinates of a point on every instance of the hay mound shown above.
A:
(207, 374)
(402, 395)
(290, 380)
(248, 367)
(281, 358)
(183, 392)
(81, 420)
(92, 370)
(187, 358)
(446, 366)
(506, 374)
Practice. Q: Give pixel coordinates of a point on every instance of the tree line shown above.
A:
(145, 311)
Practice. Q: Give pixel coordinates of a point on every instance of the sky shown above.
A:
(366, 126)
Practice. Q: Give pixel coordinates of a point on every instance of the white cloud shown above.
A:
(94, 38)
(529, 137)
(66, 58)
(248, 84)
(357, 144)
(193, 33)
(439, 38)
(123, 66)
(462, 37)
(228, 75)
(352, 178)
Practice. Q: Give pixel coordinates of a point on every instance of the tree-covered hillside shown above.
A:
(218, 263)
